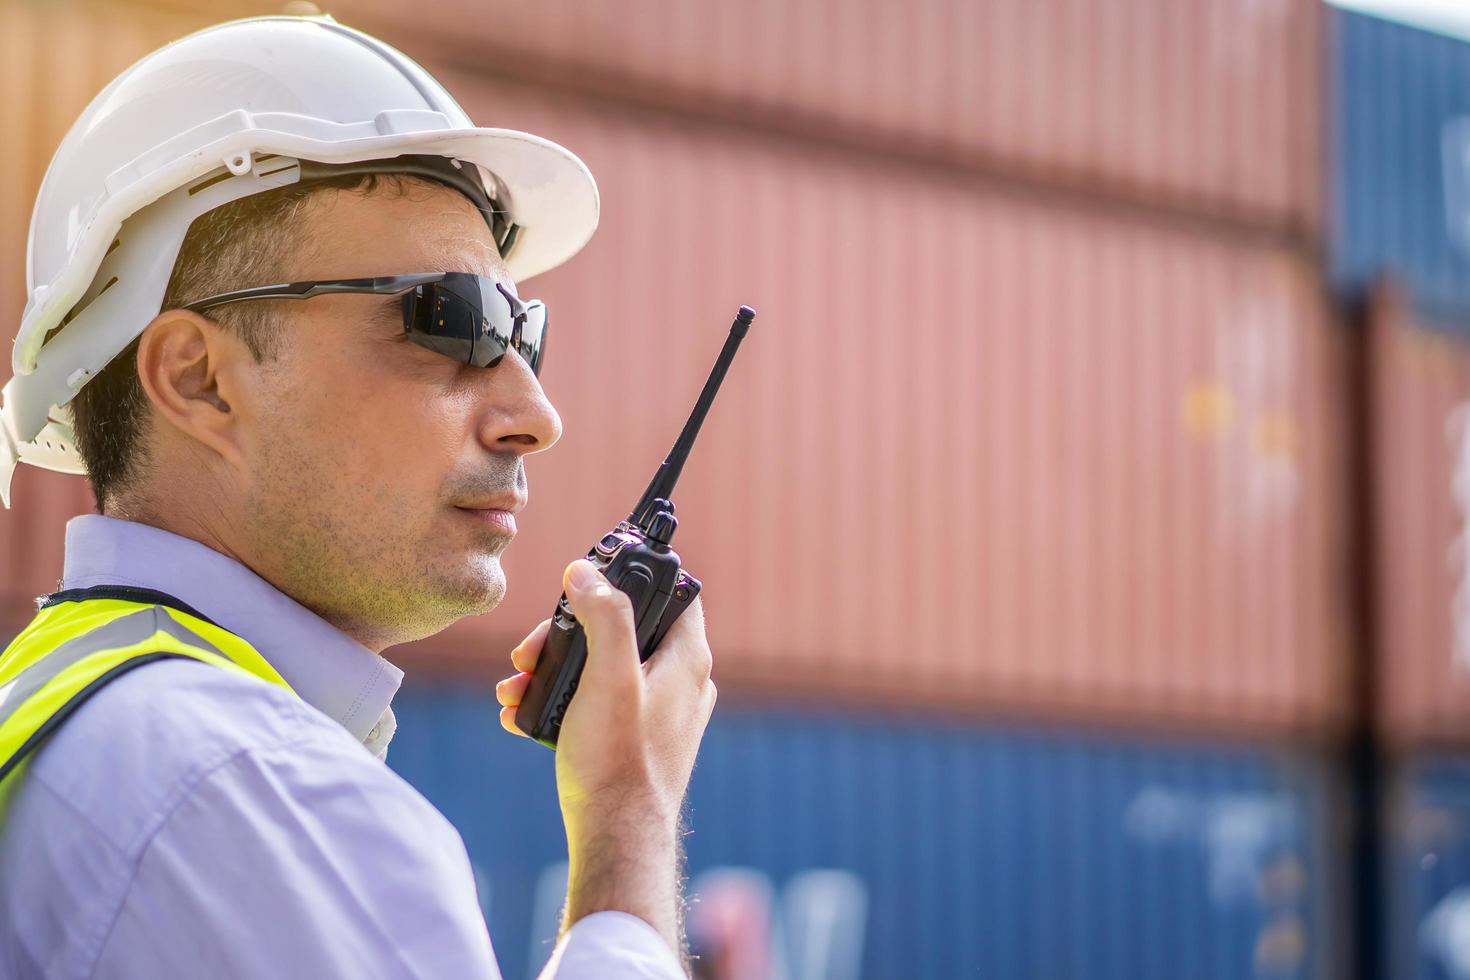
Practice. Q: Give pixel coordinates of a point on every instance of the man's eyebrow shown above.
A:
(495, 274)
(480, 257)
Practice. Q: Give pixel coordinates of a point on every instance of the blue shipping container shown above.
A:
(1400, 164)
(1429, 883)
(832, 847)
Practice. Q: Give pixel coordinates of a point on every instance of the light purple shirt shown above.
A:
(187, 822)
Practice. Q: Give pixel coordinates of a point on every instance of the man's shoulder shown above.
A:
(193, 796)
(77, 818)
(140, 744)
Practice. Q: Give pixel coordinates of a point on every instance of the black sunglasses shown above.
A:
(469, 318)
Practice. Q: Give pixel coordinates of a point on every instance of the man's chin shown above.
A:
(449, 595)
(483, 587)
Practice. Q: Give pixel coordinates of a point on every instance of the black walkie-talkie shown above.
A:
(636, 558)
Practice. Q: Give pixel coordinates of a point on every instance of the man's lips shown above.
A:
(498, 513)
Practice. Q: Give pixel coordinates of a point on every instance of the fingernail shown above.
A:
(583, 576)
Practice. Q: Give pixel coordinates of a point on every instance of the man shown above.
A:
(290, 480)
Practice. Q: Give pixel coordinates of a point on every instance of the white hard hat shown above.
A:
(231, 111)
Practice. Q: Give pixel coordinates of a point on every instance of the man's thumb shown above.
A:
(607, 617)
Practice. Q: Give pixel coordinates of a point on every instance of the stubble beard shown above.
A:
(367, 570)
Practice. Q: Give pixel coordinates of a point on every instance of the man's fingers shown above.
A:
(685, 647)
(607, 616)
(508, 721)
(528, 651)
(510, 691)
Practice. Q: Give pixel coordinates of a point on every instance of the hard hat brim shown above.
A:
(552, 195)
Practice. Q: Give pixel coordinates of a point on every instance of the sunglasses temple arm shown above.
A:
(381, 284)
(310, 288)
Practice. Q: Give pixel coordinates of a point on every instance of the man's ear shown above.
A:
(193, 371)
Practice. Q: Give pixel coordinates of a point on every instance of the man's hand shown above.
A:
(625, 752)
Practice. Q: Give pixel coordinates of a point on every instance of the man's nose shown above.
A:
(517, 416)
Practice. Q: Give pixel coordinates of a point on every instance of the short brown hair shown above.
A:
(242, 243)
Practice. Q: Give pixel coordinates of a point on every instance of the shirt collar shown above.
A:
(329, 670)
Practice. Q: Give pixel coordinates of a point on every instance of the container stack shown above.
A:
(1400, 257)
(1024, 516)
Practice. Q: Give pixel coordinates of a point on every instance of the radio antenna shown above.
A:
(668, 471)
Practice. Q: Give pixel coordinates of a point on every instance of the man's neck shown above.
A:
(175, 520)
(183, 521)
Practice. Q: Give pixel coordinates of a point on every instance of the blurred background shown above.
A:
(1085, 526)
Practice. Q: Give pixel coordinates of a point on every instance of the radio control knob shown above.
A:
(661, 528)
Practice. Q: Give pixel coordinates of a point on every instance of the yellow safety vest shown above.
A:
(83, 638)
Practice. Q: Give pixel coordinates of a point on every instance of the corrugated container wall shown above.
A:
(1400, 163)
(1042, 856)
(1428, 860)
(1210, 105)
(981, 448)
(1420, 397)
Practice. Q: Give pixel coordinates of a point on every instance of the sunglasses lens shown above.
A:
(441, 321)
(533, 335)
(474, 320)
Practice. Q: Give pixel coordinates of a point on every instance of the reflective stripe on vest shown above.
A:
(82, 640)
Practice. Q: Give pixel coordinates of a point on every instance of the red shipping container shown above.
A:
(1209, 105)
(1419, 383)
(981, 448)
